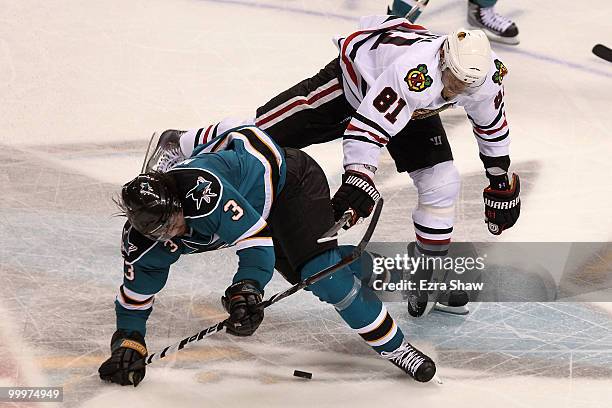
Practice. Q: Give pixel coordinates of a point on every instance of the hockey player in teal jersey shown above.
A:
(272, 204)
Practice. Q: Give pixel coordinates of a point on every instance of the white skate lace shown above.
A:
(493, 20)
(406, 357)
(168, 158)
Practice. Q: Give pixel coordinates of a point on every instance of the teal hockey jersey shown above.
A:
(227, 189)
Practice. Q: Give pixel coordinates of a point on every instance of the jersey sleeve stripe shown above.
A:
(355, 131)
(362, 139)
(253, 231)
(372, 124)
(493, 123)
(493, 140)
(254, 242)
(133, 304)
(261, 146)
(136, 297)
(491, 131)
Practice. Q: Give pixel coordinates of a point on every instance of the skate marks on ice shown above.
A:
(61, 268)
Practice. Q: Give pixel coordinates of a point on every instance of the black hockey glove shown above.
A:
(124, 366)
(502, 202)
(242, 301)
(357, 192)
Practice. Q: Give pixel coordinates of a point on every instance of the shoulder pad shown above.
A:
(200, 191)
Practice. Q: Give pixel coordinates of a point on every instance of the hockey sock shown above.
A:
(484, 3)
(358, 306)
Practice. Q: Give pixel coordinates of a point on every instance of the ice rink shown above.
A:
(84, 84)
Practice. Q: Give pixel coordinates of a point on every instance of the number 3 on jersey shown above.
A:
(385, 100)
(232, 206)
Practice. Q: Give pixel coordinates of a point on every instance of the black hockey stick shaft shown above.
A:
(418, 7)
(603, 52)
(350, 258)
(209, 331)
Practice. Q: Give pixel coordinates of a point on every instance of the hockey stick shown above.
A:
(332, 233)
(417, 8)
(603, 52)
(209, 331)
(154, 136)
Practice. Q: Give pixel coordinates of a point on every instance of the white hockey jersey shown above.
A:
(391, 75)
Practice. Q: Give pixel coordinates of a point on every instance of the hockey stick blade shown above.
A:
(331, 234)
(603, 52)
(149, 152)
(209, 331)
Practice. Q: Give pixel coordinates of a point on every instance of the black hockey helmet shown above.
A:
(150, 201)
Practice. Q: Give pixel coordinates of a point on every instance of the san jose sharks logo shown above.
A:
(417, 78)
(501, 72)
(202, 192)
(146, 189)
(127, 247)
(201, 188)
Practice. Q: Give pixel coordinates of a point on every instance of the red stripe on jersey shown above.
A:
(205, 138)
(433, 241)
(345, 59)
(299, 102)
(376, 137)
(490, 132)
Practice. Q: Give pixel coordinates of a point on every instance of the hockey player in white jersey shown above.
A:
(386, 89)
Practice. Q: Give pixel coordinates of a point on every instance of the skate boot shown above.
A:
(167, 152)
(453, 302)
(497, 27)
(421, 301)
(414, 363)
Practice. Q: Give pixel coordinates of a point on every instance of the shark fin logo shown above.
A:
(202, 192)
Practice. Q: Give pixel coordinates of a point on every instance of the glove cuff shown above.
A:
(243, 287)
(498, 182)
(134, 340)
(364, 169)
(362, 182)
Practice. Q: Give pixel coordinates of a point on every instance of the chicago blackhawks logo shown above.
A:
(501, 72)
(417, 78)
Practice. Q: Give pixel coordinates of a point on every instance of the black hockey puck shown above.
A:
(302, 374)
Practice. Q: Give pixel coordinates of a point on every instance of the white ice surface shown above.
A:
(82, 86)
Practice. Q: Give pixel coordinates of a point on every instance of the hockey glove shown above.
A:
(502, 202)
(242, 301)
(125, 366)
(357, 192)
